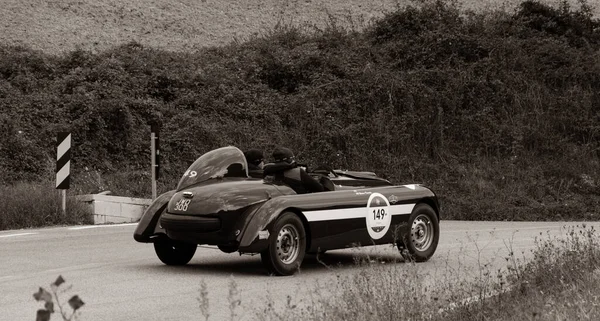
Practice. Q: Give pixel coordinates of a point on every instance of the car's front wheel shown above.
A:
(421, 240)
(287, 245)
(172, 252)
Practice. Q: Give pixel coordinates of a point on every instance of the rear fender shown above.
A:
(147, 226)
(254, 238)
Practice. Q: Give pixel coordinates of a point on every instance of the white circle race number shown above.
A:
(378, 216)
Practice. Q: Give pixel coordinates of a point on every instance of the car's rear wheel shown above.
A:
(287, 244)
(421, 239)
(172, 252)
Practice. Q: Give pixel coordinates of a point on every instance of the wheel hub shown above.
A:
(288, 244)
(422, 233)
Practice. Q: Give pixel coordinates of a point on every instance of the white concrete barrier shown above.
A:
(115, 209)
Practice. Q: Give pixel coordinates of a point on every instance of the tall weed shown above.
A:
(26, 205)
(559, 280)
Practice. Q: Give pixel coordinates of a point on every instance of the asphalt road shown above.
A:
(120, 279)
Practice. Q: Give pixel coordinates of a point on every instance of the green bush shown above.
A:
(417, 97)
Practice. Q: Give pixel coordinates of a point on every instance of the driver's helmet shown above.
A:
(254, 156)
(282, 154)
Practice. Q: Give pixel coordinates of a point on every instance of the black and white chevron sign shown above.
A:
(63, 160)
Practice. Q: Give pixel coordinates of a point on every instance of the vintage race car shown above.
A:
(217, 203)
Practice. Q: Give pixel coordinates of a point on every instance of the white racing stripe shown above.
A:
(98, 226)
(18, 234)
(401, 209)
(355, 212)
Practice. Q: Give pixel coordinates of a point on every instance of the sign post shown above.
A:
(63, 166)
(155, 156)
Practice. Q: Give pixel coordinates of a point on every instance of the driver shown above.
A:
(286, 170)
(255, 160)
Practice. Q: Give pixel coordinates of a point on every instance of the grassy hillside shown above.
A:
(497, 111)
(183, 25)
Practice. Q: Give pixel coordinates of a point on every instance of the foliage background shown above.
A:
(184, 25)
(497, 111)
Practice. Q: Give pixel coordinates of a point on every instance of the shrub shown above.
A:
(26, 205)
(419, 95)
(578, 27)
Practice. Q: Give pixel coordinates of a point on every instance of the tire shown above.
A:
(421, 240)
(227, 248)
(287, 244)
(172, 252)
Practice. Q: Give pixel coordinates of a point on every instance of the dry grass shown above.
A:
(560, 282)
(55, 26)
(26, 205)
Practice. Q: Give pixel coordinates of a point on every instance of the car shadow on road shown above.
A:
(225, 264)
(345, 260)
(247, 265)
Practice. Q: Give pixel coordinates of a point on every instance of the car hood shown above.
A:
(226, 195)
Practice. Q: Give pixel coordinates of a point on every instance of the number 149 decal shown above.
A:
(182, 205)
(379, 214)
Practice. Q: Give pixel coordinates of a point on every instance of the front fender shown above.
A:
(146, 226)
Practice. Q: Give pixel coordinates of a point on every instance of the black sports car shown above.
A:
(217, 203)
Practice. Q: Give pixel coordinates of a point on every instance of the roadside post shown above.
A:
(63, 166)
(155, 151)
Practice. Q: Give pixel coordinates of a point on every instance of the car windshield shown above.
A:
(216, 164)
